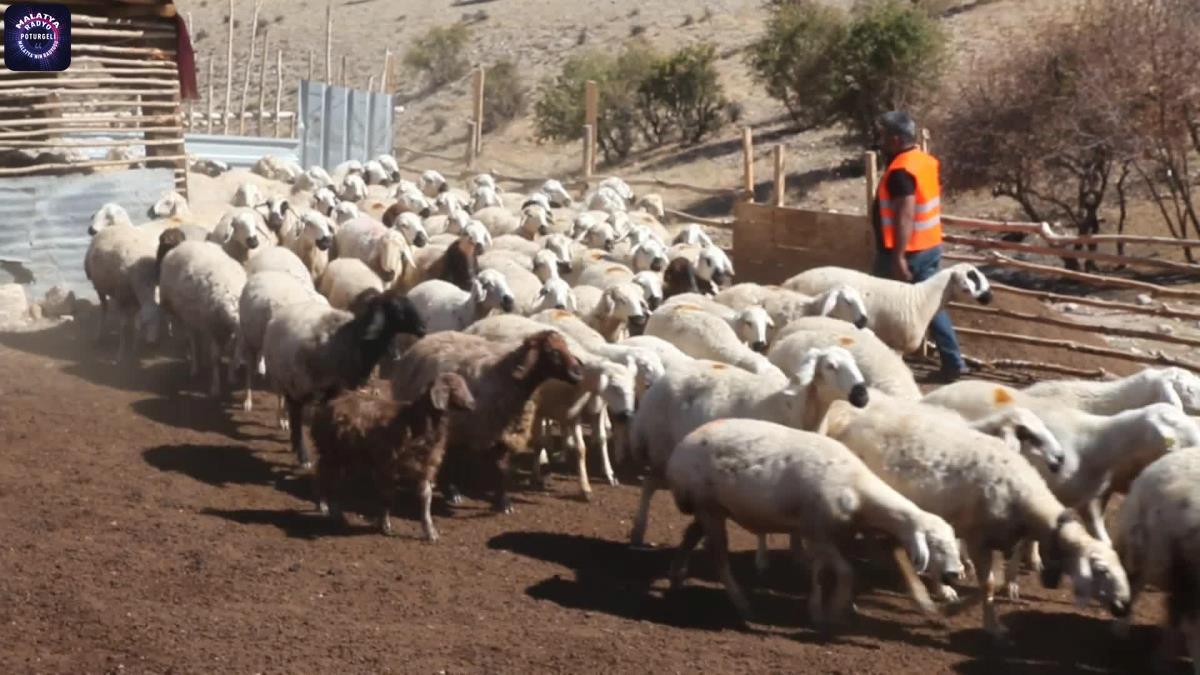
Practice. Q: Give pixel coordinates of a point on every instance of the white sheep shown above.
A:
(784, 306)
(752, 325)
(240, 232)
(409, 224)
(900, 312)
(644, 362)
(444, 306)
(621, 310)
(384, 250)
(345, 280)
(343, 212)
(280, 259)
(713, 266)
(248, 195)
(389, 164)
(651, 284)
(264, 293)
(350, 167)
(431, 183)
(108, 215)
(484, 196)
(276, 168)
(200, 286)
(670, 355)
(170, 205)
(990, 495)
(555, 294)
(375, 174)
(652, 204)
(120, 263)
(594, 232)
(354, 188)
(682, 400)
(1158, 545)
(313, 352)
(310, 238)
(523, 284)
(692, 234)
(1176, 386)
(883, 368)
(704, 336)
(529, 223)
(558, 195)
(770, 478)
(324, 200)
(313, 179)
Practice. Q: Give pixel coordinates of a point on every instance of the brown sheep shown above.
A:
(680, 277)
(458, 265)
(502, 376)
(397, 442)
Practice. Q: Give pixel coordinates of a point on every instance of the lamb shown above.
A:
(531, 222)
(1176, 386)
(1104, 453)
(445, 307)
(546, 265)
(713, 267)
(395, 441)
(310, 238)
(120, 263)
(502, 377)
(383, 250)
(409, 224)
(240, 232)
(344, 212)
(523, 284)
(645, 363)
(683, 400)
(311, 180)
(1157, 542)
(622, 310)
(314, 352)
(324, 200)
(248, 195)
(555, 294)
(264, 293)
(882, 367)
(170, 205)
(704, 336)
(770, 478)
(607, 388)
(345, 280)
(375, 174)
(280, 259)
(990, 495)
(784, 306)
(558, 195)
(274, 168)
(354, 188)
(594, 232)
(900, 312)
(431, 183)
(200, 286)
(408, 202)
(484, 196)
(108, 215)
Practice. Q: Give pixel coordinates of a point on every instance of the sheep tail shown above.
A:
(168, 240)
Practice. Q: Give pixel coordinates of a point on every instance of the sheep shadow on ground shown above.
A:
(220, 466)
(200, 413)
(1057, 642)
(298, 524)
(613, 578)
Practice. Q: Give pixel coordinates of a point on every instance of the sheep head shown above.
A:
(392, 256)
(714, 266)
(410, 225)
(450, 392)
(1094, 567)
(556, 294)
(1172, 428)
(679, 278)
(557, 194)
(107, 216)
(1185, 386)
(624, 302)
(544, 356)
(495, 291)
(833, 370)
(170, 205)
(650, 254)
(753, 327)
(967, 282)
(534, 222)
(317, 230)
(845, 303)
(933, 548)
(652, 288)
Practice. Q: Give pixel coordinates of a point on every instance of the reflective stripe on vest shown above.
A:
(927, 214)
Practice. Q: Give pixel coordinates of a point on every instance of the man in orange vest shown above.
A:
(908, 225)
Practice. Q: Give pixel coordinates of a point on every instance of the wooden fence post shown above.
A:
(477, 107)
(780, 176)
(329, 42)
(249, 62)
(387, 66)
(587, 152)
(472, 130)
(212, 61)
(924, 139)
(748, 163)
(310, 65)
(262, 88)
(871, 173)
(191, 105)
(228, 75)
(279, 91)
(591, 106)
(344, 78)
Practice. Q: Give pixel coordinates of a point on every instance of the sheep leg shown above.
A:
(1121, 626)
(502, 503)
(214, 388)
(1012, 570)
(282, 415)
(650, 485)
(193, 355)
(916, 587)
(126, 329)
(103, 318)
(425, 490)
(585, 487)
(602, 439)
(679, 566)
(843, 590)
(385, 474)
(816, 602)
(1035, 556)
(762, 555)
(1093, 519)
(540, 436)
(983, 575)
(248, 403)
(1191, 631)
(296, 424)
(716, 540)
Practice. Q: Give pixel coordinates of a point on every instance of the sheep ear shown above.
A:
(918, 552)
(607, 302)
(830, 302)
(528, 361)
(478, 292)
(542, 293)
(1083, 581)
(807, 369)
(439, 395)
(1168, 394)
(572, 302)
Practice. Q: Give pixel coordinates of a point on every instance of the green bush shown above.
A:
(827, 67)
(504, 95)
(438, 54)
(643, 95)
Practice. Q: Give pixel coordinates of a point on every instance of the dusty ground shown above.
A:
(147, 529)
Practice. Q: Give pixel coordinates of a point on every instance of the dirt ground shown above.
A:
(146, 528)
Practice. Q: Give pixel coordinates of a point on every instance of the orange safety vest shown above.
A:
(927, 216)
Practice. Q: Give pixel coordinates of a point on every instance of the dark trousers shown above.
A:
(922, 265)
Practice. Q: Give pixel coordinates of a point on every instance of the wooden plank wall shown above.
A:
(772, 243)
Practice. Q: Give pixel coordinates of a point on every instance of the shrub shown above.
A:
(826, 67)
(438, 54)
(684, 91)
(504, 96)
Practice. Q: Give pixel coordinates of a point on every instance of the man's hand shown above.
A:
(900, 270)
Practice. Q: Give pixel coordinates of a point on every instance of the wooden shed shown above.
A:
(117, 107)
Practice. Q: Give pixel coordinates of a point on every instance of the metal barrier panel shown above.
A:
(241, 151)
(338, 124)
(44, 222)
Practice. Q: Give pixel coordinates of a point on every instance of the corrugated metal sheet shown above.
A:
(44, 221)
(337, 124)
(241, 151)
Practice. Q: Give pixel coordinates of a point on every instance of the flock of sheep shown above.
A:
(503, 320)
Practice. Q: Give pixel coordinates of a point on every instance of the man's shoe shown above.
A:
(948, 375)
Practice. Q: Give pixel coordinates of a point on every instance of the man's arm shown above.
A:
(904, 229)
